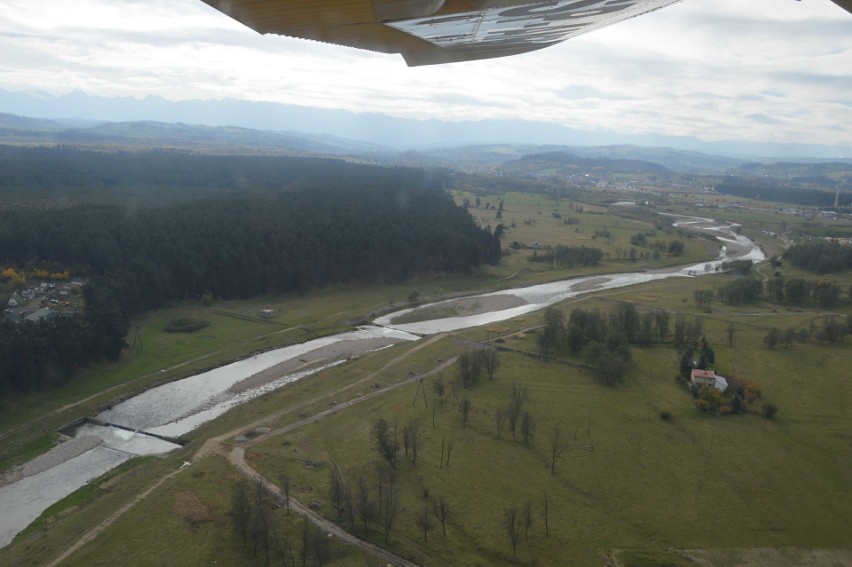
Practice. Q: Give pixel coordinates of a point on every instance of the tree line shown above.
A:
(568, 256)
(820, 257)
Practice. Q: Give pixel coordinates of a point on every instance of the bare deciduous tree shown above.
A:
(555, 445)
(391, 503)
(285, 487)
(321, 547)
(366, 505)
(283, 544)
(517, 397)
(527, 427)
(464, 408)
(500, 421)
(336, 489)
(512, 529)
(240, 510)
(260, 526)
(425, 522)
(414, 441)
(349, 502)
(470, 367)
(438, 387)
(386, 438)
(527, 518)
(441, 509)
(491, 362)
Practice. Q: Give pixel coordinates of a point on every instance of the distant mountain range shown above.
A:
(516, 159)
(79, 109)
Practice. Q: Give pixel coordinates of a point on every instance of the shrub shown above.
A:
(702, 405)
(186, 325)
(769, 411)
(665, 415)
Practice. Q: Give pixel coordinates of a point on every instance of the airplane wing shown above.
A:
(428, 32)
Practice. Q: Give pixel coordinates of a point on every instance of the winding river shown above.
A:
(178, 407)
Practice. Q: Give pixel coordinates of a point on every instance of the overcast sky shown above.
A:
(762, 70)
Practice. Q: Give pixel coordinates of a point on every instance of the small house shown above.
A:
(708, 378)
(267, 313)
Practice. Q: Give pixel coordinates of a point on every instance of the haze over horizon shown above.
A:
(764, 72)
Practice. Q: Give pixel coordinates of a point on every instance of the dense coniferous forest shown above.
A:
(73, 175)
(322, 222)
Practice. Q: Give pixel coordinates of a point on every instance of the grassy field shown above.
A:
(626, 479)
(530, 218)
(629, 487)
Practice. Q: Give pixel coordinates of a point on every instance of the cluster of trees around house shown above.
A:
(739, 397)
(568, 256)
(820, 257)
(772, 191)
(347, 223)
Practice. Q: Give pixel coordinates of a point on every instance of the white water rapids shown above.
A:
(178, 407)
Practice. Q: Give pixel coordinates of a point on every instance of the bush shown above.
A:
(769, 411)
(702, 405)
(186, 325)
(665, 415)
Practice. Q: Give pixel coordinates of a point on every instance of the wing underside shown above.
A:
(427, 32)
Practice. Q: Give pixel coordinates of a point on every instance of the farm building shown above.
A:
(708, 378)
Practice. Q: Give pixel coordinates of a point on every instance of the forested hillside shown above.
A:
(319, 222)
(62, 175)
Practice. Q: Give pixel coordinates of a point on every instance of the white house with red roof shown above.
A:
(708, 378)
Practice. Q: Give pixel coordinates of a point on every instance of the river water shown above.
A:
(178, 407)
